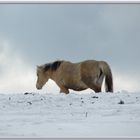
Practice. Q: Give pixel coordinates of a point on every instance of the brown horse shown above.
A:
(76, 76)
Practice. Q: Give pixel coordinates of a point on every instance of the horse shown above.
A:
(76, 76)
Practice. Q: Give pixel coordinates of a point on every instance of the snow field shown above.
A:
(70, 116)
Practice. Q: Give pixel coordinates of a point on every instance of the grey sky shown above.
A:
(75, 32)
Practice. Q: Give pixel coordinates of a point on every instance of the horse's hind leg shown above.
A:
(64, 90)
(92, 84)
(98, 82)
(97, 89)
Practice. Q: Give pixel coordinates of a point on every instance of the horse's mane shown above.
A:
(52, 66)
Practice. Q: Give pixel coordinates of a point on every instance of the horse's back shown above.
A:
(70, 71)
(69, 67)
(89, 67)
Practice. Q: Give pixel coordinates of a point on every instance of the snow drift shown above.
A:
(72, 115)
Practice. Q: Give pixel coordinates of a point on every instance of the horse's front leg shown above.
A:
(64, 90)
(62, 87)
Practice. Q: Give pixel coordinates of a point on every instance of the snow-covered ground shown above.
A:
(72, 115)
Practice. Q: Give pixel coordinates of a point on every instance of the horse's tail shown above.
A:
(108, 76)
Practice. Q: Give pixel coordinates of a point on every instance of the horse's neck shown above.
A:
(52, 75)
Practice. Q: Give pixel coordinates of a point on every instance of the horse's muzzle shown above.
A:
(38, 87)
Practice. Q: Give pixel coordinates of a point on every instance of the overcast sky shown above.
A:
(32, 34)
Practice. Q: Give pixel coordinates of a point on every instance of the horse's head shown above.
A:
(42, 77)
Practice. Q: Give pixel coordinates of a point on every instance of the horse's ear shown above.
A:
(38, 67)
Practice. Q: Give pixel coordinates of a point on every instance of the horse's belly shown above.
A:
(79, 86)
